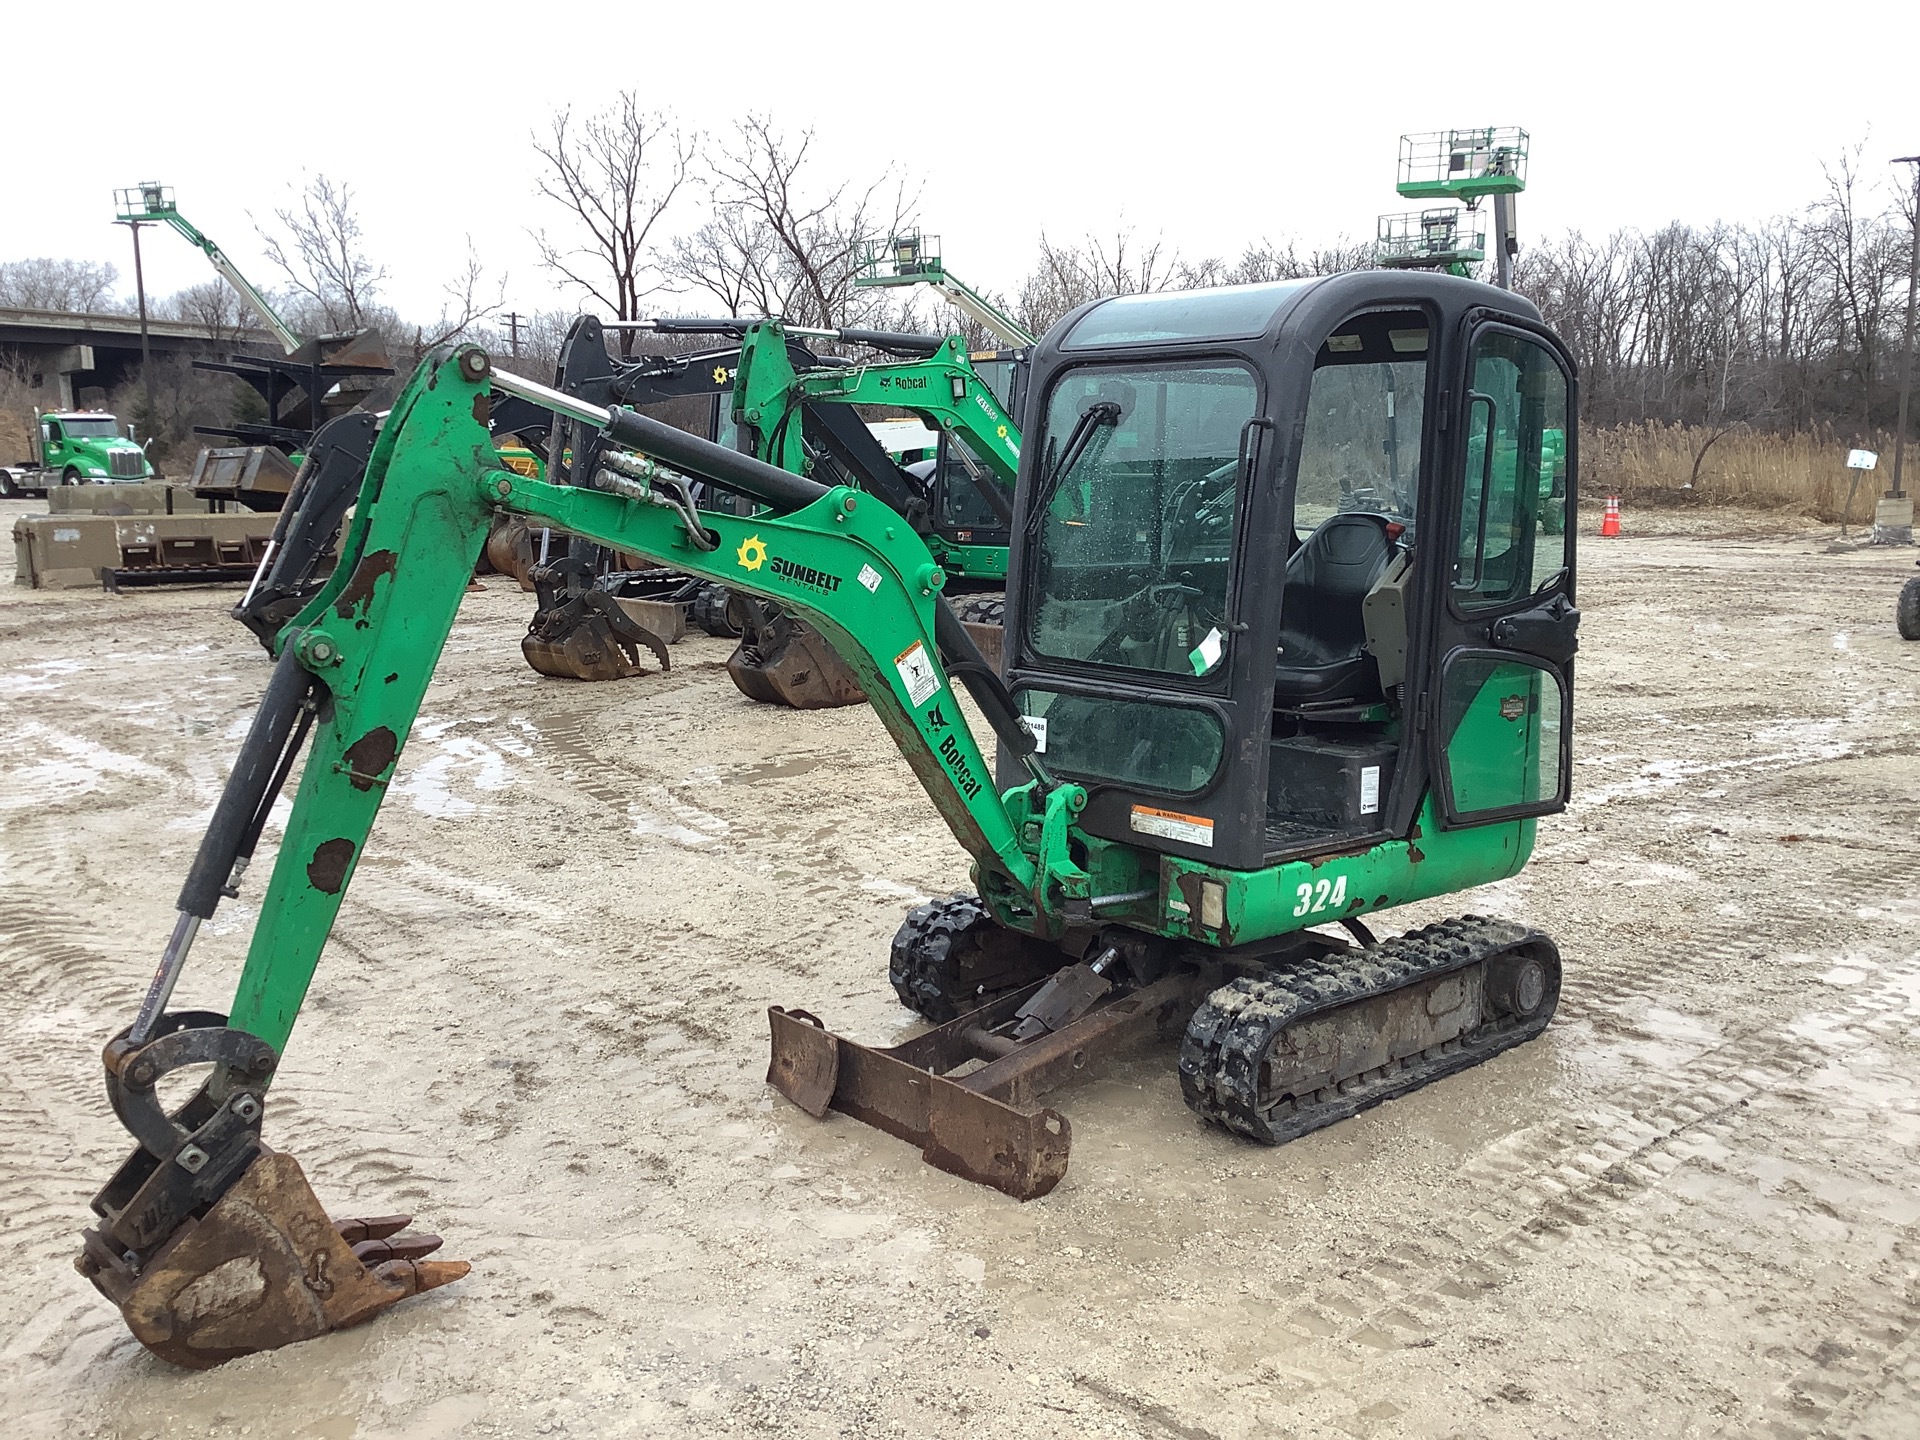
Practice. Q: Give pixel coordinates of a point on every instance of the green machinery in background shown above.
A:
(1464, 166)
(911, 259)
(317, 378)
(150, 202)
(1239, 712)
(943, 389)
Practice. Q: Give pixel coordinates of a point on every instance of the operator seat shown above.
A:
(1322, 629)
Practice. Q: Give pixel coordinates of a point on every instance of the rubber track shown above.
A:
(1239, 1023)
(924, 960)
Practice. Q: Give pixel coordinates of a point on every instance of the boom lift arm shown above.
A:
(914, 259)
(151, 201)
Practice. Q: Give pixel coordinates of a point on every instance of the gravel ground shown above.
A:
(1689, 1209)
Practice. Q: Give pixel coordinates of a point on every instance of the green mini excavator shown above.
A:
(1290, 632)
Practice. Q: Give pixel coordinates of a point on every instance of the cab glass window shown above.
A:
(1155, 747)
(1361, 447)
(1514, 497)
(1134, 514)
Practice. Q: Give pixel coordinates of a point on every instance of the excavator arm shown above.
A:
(211, 1244)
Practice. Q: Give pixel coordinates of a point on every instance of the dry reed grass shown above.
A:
(1805, 472)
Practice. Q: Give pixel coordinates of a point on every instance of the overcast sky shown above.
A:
(1210, 124)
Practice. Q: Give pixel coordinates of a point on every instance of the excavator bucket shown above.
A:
(264, 1267)
(515, 548)
(782, 660)
(589, 637)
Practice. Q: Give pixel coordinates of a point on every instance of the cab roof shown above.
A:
(1250, 312)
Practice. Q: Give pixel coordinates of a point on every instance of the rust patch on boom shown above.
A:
(369, 756)
(327, 871)
(358, 593)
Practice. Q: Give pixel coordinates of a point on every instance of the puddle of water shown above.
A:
(682, 824)
(462, 759)
(775, 769)
(37, 678)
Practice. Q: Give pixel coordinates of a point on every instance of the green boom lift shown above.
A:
(911, 258)
(1252, 693)
(1466, 166)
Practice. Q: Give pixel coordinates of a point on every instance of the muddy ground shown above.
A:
(1692, 1208)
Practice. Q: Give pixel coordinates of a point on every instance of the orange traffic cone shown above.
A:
(1610, 522)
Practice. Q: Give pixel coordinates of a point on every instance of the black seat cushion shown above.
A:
(1323, 632)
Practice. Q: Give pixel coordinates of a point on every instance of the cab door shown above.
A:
(1501, 716)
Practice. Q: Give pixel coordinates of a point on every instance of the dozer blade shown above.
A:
(783, 661)
(977, 1125)
(264, 1267)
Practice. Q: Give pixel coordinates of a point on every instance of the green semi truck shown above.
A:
(76, 448)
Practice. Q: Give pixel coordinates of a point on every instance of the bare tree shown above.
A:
(1067, 276)
(779, 244)
(468, 301)
(79, 286)
(214, 308)
(615, 173)
(327, 262)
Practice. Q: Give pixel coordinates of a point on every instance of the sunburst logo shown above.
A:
(752, 553)
(721, 375)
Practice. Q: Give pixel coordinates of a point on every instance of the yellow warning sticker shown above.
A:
(1172, 825)
(752, 553)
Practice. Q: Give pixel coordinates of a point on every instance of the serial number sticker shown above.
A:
(916, 673)
(1369, 789)
(1172, 825)
(870, 578)
(1036, 726)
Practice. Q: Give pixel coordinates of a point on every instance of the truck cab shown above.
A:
(82, 447)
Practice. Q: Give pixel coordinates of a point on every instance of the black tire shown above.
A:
(9, 490)
(69, 476)
(1907, 612)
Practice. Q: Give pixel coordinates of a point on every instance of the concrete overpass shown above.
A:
(63, 354)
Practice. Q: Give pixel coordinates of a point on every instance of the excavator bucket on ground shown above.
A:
(580, 632)
(781, 660)
(263, 1268)
(212, 1245)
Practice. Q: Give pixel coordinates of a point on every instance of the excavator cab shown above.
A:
(1286, 565)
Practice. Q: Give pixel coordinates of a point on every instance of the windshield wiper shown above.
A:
(1101, 412)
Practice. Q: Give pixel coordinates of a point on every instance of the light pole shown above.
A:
(146, 351)
(1906, 345)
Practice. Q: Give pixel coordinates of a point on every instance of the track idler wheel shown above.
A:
(782, 660)
(212, 1245)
